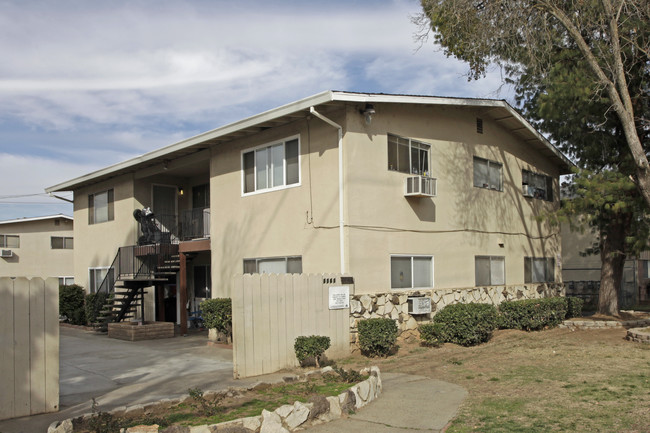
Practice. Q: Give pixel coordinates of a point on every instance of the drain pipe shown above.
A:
(313, 111)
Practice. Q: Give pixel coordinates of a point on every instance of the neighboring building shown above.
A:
(581, 271)
(397, 191)
(37, 247)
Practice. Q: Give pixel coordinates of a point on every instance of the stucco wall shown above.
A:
(288, 222)
(96, 244)
(35, 256)
(462, 221)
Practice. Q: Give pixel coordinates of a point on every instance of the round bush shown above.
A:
(429, 334)
(465, 324)
(377, 337)
(217, 314)
(311, 347)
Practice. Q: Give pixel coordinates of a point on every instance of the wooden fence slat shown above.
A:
(51, 344)
(22, 348)
(7, 350)
(37, 344)
(272, 311)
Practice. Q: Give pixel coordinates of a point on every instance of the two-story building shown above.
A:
(398, 191)
(37, 247)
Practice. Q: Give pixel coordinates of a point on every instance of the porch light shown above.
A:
(180, 191)
(368, 112)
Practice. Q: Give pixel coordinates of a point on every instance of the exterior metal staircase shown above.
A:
(133, 269)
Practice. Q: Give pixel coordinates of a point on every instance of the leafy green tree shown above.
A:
(570, 84)
(525, 38)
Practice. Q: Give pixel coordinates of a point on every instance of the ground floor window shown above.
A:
(66, 281)
(202, 281)
(410, 272)
(490, 270)
(539, 269)
(96, 277)
(273, 265)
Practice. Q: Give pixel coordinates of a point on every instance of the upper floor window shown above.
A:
(487, 174)
(410, 272)
(537, 185)
(408, 156)
(100, 207)
(9, 241)
(539, 269)
(61, 243)
(271, 167)
(490, 270)
(273, 265)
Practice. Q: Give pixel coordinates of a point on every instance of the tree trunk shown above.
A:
(612, 255)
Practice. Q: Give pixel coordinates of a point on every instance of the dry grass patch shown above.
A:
(555, 380)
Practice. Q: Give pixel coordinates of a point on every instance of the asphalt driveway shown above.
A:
(118, 373)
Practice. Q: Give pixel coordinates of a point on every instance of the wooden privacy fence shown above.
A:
(270, 311)
(29, 346)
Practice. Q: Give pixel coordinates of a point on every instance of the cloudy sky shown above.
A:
(85, 84)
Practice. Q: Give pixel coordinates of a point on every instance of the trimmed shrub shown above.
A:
(532, 314)
(429, 334)
(217, 314)
(574, 307)
(71, 304)
(465, 324)
(377, 336)
(94, 304)
(311, 347)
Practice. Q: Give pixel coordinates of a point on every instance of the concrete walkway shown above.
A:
(119, 373)
(407, 404)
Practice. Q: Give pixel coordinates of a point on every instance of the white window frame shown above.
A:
(65, 281)
(284, 185)
(3, 241)
(490, 165)
(277, 258)
(410, 164)
(110, 209)
(411, 256)
(548, 185)
(491, 258)
(64, 243)
(91, 280)
(549, 270)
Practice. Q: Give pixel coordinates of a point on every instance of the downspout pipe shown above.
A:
(313, 111)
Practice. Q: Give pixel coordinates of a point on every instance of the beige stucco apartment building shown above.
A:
(37, 247)
(397, 191)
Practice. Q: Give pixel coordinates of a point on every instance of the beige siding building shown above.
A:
(37, 247)
(400, 192)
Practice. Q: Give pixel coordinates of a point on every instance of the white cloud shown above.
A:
(87, 84)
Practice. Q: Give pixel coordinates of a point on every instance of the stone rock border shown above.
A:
(639, 335)
(285, 419)
(600, 324)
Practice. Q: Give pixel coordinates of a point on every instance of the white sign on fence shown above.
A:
(339, 297)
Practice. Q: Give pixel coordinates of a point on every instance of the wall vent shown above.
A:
(479, 125)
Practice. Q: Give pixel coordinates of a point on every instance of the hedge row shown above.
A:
(471, 324)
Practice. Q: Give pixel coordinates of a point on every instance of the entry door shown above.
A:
(164, 206)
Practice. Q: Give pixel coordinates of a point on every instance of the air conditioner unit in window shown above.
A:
(6, 253)
(527, 190)
(420, 186)
(419, 305)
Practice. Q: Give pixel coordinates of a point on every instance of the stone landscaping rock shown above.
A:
(63, 427)
(147, 429)
(200, 429)
(284, 411)
(272, 423)
(298, 416)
